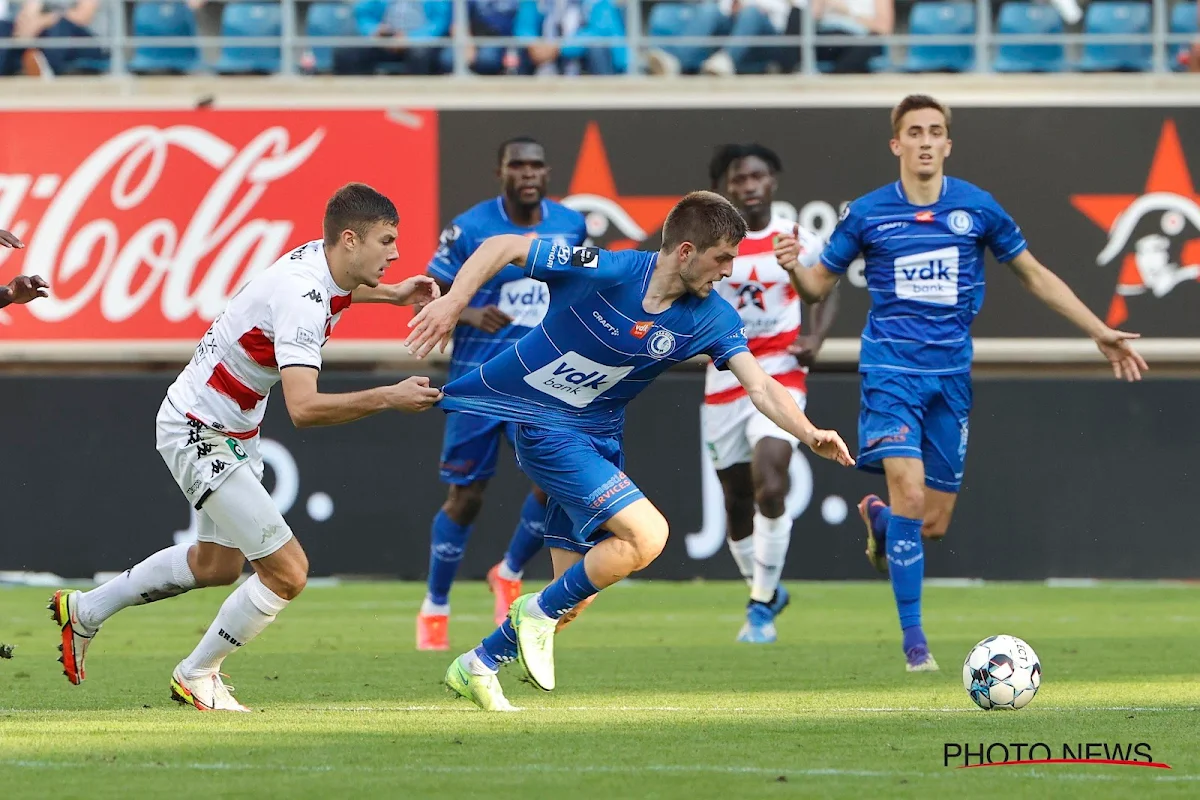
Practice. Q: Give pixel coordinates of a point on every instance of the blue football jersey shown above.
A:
(515, 294)
(924, 270)
(597, 348)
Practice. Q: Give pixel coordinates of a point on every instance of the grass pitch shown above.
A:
(655, 699)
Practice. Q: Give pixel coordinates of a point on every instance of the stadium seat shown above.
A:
(1183, 20)
(940, 18)
(244, 20)
(164, 19)
(1111, 17)
(1029, 18)
(329, 19)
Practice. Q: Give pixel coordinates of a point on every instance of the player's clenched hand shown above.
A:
(412, 394)
(418, 290)
(827, 444)
(8, 240)
(1126, 362)
(433, 326)
(24, 288)
(787, 249)
(489, 319)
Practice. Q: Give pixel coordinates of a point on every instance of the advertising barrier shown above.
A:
(1065, 478)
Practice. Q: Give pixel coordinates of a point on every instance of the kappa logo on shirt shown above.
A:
(315, 296)
(576, 380)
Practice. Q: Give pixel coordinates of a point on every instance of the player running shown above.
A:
(923, 239)
(616, 321)
(207, 433)
(506, 308)
(750, 452)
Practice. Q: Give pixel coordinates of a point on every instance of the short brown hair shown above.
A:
(356, 207)
(705, 219)
(916, 102)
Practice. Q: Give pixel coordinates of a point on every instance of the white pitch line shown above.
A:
(564, 768)
(775, 710)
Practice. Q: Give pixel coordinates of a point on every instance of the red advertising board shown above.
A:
(146, 222)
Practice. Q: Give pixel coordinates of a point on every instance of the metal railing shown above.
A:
(292, 44)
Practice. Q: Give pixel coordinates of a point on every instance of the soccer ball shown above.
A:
(1002, 672)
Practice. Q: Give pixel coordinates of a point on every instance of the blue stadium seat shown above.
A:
(329, 19)
(940, 18)
(1183, 20)
(1111, 16)
(250, 19)
(164, 19)
(1029, 18)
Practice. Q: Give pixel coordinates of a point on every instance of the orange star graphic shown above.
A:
(593, 175)
(1168, 173)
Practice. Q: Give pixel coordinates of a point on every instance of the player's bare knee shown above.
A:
(908, 502)
(771, 498)
(650, 541)
(464, 503)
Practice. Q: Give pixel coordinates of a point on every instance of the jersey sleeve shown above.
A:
(581, 231)
(845, 243)
(729, 335)
(558, 264)
(299, 322)
(1001, 234)
(454, 247)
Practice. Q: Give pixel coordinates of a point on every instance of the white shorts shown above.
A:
(732, 430)
(202, 459)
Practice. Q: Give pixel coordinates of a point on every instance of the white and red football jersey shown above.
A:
(280, 318)
(763, 294)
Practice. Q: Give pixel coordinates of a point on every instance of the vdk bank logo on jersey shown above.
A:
(930, 277)
(526, 301)
(576, 380)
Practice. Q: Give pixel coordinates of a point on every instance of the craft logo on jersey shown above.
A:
(576, 380)
(959, 222)
(526, 301)
(640, 329)
(661, 344)
(929, 277)
(1154, 236)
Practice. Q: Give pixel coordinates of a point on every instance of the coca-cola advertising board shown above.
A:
(146, 222)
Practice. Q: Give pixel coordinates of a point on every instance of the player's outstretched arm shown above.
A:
(437, 320)
(773, 400)
(22, 289)
(1116, 345)
(309, 407)
(415, 291)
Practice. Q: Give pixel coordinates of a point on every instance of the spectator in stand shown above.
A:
(60, 19)
(861, 18)
(490, 18)
(558, 22)
(393, 23)
(10, 60)
(727, 18)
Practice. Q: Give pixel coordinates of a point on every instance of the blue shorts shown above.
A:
(582, 475)
(470, 446)
(916, 416)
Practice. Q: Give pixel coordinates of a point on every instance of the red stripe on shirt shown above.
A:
(796, 379)
(338, 303)
(259, 348)
(235, 434)
(770, 345)
(227, 384)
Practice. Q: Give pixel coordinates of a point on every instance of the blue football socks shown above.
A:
(906, 567)
(449, 542)
(566, 592)
(527, 538)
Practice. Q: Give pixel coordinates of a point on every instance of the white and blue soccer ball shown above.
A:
(1002, 672)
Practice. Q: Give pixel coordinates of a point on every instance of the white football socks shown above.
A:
(430, 608)
(162, 575)
(742, 551)
(771, 540)
(506, 573)
(244, 614)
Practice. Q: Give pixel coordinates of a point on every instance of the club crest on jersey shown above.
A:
(661, 344)
(959, 222)
(640, 329)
